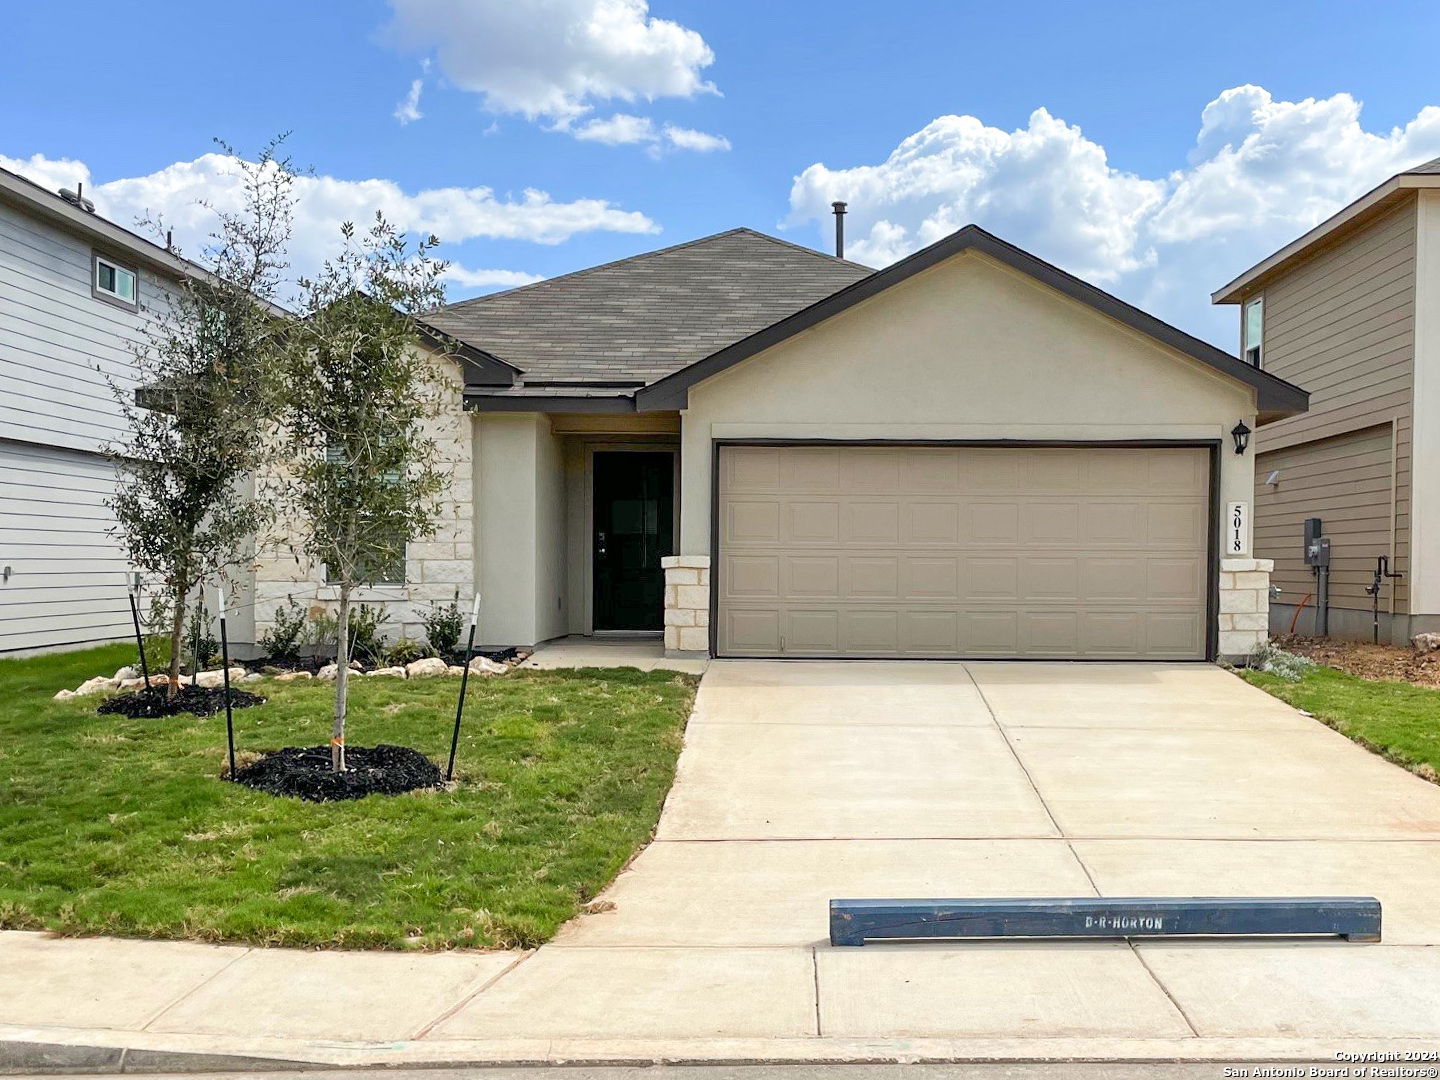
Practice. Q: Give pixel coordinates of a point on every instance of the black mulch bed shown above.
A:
(304, 772)
(201, 700)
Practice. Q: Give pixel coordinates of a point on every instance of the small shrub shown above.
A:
(1283, 665)
(204, 649)
(282, 642)
(366, 642)
(406, 651)
(443, 626)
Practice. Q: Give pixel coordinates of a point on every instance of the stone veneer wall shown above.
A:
(1244, 606)
(434, 567)
(687, 605)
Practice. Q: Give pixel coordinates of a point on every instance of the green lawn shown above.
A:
(118, 826)
(1394, 719)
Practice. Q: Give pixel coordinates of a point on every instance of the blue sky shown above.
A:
(1176, 146)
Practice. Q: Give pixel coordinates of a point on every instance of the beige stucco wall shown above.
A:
(521, 529)
(434, 567)
(968, 350)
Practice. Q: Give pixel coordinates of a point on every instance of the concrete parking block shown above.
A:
(984, 989)
(778, 892)
(292, 993)
(646, 994)
(99, 982)
(1403, 875)
(1145, 696)
(1319, 989)
(1244, 784)
(739, 782)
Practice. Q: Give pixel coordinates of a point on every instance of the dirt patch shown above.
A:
(1367, 661)
(152, 704)
(304, 773)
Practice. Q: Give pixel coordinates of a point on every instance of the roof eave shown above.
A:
(1369, 204)
(1275, 397)
(477, 400)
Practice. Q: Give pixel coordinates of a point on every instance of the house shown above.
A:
(763, 451)
(75, 292)
(1351, 311)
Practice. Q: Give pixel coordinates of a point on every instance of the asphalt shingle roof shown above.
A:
(1428, 169)
(632, 322)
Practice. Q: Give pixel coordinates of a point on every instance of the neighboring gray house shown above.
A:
(74, 292)
(1351, 311)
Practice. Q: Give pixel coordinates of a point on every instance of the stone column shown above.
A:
(687, 605)
(1244, 607)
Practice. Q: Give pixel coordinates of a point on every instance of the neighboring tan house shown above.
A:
(1351, 311)
(75, 291)
(764, 451)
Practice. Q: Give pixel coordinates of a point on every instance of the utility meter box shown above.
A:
(1317, 547)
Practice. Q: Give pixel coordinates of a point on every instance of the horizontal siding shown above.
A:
(1342, 325)
(67, 574)
(60, 347)
(1346, 482)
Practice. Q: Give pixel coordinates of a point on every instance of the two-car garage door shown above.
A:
(963, 551)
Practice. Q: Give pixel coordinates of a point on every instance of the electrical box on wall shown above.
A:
(1317, 547)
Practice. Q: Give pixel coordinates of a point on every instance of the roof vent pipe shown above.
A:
(839, 209)
(77, 198)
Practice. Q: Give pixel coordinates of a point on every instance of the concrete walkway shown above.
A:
(804, 781)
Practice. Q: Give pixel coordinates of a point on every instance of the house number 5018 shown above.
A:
(1237, 522)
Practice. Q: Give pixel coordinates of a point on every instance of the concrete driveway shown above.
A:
(805, 781)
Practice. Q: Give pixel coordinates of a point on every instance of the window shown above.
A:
(1254, 330)
(390, 567)
(115, 283)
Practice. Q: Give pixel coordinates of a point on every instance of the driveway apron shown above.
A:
(801, 782)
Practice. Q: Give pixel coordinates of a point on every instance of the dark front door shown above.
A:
(634, 528)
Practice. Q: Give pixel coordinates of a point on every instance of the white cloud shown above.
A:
(408, 110)
(466, 278)
(1261, 173)
(621, 129)
(553, 59)
(50, 174)
(454, 214)
(701, 142)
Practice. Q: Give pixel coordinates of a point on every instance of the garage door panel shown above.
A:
(964, 551)
(931, 577)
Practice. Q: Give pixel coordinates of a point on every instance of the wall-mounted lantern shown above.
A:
(1241, 434)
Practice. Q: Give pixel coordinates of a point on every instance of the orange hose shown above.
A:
(1299, 608)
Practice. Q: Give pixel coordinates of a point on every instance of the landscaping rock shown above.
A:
(254, 676)
(211, 679)
(393, 672)
(328, 673)
(422, 669)
(125, 673)
(294, 676)
(455, 670)
(98, 685)
(1425, 643)
(63, 695)
(482, 666)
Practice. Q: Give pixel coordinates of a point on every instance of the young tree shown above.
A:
(203, 365)
(360, 477)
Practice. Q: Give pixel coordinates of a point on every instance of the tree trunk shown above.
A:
(177, 633)
(342, 681)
